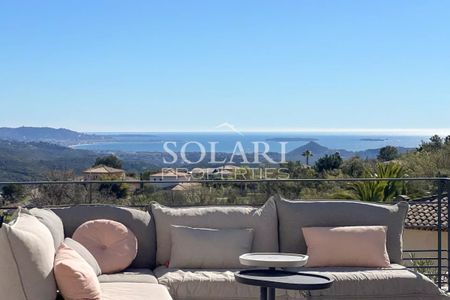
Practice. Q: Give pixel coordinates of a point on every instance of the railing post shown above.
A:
(90, 192)
(448, 234)
(439, 239)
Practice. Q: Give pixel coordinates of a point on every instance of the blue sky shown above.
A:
(258, 65)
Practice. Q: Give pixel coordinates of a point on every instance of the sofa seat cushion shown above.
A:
(395, 282)
(133, 291)
(130, 275)
(196, 284)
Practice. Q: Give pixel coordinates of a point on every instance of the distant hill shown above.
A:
(22, 161)
(60, 136)
(319, 151)
(32, 161)
(314, 147)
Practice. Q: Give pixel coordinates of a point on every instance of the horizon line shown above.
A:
(369, 131)
(315, 130)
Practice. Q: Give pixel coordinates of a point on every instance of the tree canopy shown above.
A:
(110, 161)
(329, 162)
(388, 153)
(434, 143)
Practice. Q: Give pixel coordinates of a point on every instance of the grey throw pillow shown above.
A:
(85, 254)
(203, 248)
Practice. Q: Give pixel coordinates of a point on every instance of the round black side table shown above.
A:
(271, 279)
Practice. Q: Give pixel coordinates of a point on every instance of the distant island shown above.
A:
(291, 139)
(373, 140)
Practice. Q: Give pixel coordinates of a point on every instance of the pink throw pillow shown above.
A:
(349, 246)
(75, 277)
(112, 244)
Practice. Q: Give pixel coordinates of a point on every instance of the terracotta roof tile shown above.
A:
(422, 214)
(102, 169)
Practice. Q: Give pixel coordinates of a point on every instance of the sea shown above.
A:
(227, 141)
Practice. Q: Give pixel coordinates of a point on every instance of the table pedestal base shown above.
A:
(271, 295)
(267, 293)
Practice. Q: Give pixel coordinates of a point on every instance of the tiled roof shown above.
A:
(170, 173)
(102, 169)
(185, 186)
(423, 215)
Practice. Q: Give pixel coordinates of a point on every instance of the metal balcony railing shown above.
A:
(433, 262)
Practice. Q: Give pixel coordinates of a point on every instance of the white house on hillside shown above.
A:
(170, 175)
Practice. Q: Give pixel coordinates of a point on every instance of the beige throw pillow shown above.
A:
(347, 246)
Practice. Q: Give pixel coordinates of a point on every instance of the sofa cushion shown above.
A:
(52, 222)
(113, 245)
(263, 220)
(211, 284)
(133, 291)
(84, 253)
(203, 248)
(395, 282)
(293, 215)
(75, 277)
(138, 221)
(27, 252)
(130, 275)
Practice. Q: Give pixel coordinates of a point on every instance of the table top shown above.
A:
(273, 259)
(281, 279)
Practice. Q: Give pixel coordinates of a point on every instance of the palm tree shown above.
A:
(307, 154)
(381, 191)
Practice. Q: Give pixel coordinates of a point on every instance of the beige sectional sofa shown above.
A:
(276, 227)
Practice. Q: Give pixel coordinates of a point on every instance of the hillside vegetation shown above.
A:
(38, 160)
(34, 160)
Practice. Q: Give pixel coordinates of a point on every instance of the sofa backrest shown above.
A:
(138, 221)
(26, 259)
(293, 215)
(52, 222)
(263, 220)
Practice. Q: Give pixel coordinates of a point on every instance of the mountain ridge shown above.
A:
(320, 151)
(60, 136)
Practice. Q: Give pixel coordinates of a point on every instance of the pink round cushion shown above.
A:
(112, 244)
